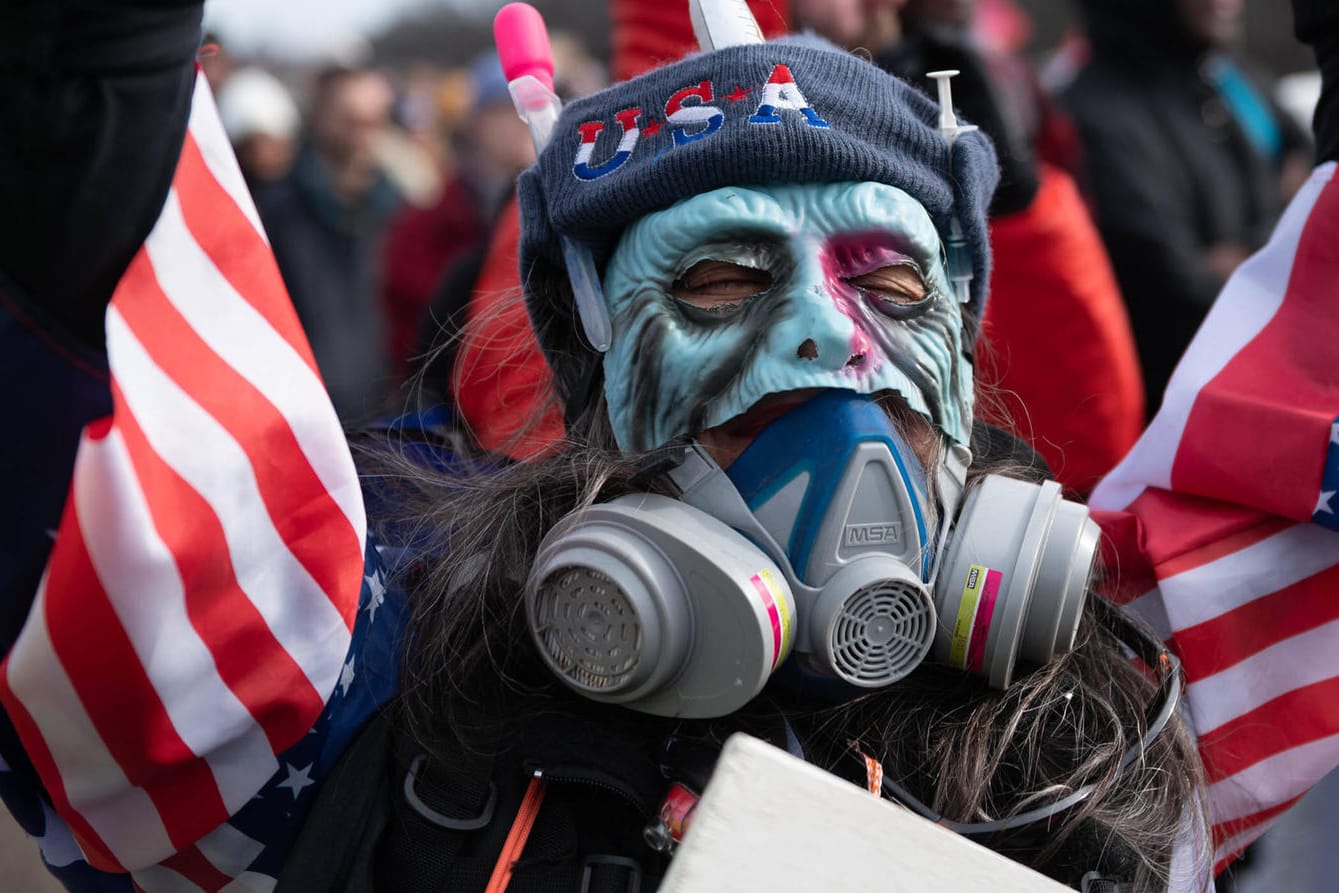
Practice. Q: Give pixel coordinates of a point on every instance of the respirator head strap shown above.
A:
(1158, 658)
(657, 466)
(702, 483)
(951, 480)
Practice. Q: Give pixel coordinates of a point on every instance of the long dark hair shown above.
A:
(472, 676)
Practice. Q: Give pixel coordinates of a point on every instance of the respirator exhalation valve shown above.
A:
(587, 628)
(837, 486)
(882, 633)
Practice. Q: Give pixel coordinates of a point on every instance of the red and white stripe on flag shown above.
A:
(200, 595)
(1210, 529)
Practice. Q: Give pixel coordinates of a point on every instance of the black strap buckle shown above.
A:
(591, 863)
(659, 462)
(444, 821)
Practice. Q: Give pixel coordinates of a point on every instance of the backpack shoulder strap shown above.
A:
(334, 848)
(389, 817)
(383, 801)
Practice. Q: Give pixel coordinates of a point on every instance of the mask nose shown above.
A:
(829, 337)
(808, 350)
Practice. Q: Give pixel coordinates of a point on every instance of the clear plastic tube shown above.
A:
(718, 24)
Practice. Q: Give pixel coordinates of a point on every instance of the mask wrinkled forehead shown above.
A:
(811, 211)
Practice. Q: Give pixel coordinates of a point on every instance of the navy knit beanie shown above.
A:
(799, 110)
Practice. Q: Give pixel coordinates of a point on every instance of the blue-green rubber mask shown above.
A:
(740, 293)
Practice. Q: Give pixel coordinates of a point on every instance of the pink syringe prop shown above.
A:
(527, 61)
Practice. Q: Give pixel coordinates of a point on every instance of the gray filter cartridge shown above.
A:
(647, 602)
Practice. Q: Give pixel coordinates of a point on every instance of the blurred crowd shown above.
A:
(372, 184)
(379, 189)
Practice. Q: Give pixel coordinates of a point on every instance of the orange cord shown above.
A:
(517, 836)
(874, 776)
(873, 771)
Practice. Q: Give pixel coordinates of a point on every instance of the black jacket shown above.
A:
(329, 255)
(1170, 171)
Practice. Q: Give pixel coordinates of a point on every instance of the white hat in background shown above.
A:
(253, 101)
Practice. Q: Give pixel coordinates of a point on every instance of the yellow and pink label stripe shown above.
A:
(777, 605)
(971, 629)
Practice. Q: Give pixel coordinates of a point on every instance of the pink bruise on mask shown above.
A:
(855, 270)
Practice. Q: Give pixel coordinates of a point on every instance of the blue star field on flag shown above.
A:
(274, 816)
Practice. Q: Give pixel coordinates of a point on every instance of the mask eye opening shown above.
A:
(717, 279)
(892, 290)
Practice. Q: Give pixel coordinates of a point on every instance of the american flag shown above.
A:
(1223, 524)
(199, 601)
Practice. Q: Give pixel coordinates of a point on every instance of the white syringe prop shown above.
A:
(538, 106)
(527, 61)
(718, 24)
(959, 257)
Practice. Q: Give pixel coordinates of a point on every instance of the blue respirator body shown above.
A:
(826, 538)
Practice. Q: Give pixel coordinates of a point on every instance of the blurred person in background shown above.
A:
(577, 73)
(262, 123)
(326, 221)
(1187, 160)
(418, 109)
(986, 40)
(867, 24)
(409, 152)
(490, 147)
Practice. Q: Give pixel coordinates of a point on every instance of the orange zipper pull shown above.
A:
(518, 835)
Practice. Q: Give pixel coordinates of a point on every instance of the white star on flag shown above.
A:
(297, 779)
(376, 595)
(1334, 432)
(346, 677)
(1323, 503)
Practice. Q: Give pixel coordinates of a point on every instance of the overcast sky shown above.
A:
(306, 27)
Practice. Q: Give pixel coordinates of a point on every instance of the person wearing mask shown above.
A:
(1052, 273)
(791, 299)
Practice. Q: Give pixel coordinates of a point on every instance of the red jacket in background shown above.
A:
(1056, 362)
(420, 246)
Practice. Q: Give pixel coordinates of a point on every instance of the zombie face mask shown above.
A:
(740, 293)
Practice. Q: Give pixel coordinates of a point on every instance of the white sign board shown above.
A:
(771, 823)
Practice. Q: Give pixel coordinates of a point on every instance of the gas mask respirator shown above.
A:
(825, 539)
